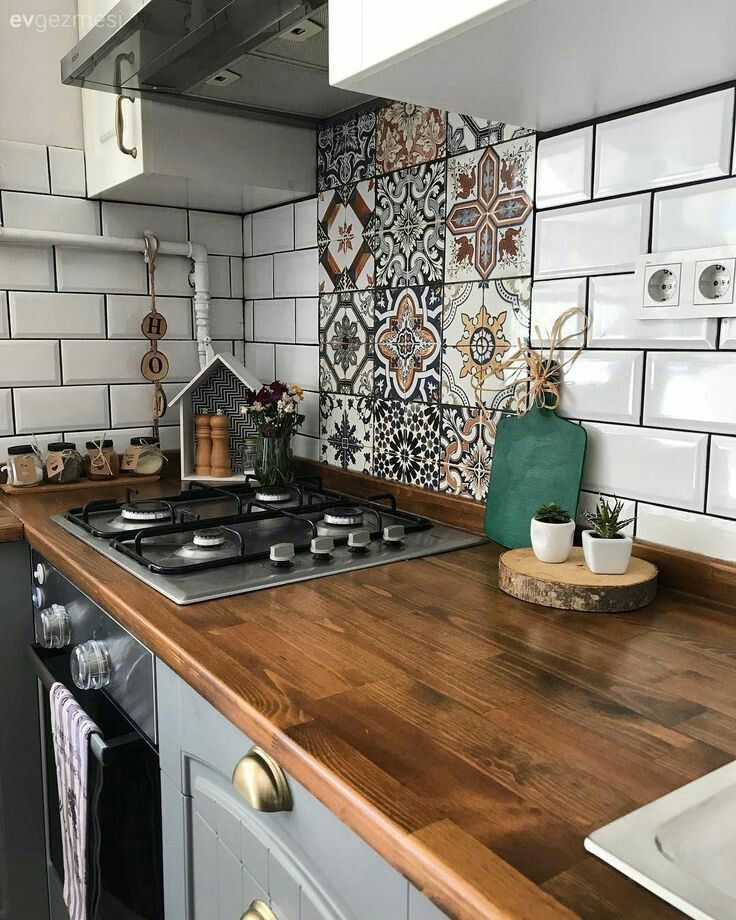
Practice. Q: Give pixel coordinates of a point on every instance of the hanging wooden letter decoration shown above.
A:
(155, 364)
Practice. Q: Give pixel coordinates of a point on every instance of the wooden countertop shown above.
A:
(11, 528)
(470, 738)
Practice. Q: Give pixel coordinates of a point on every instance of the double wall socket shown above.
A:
(687, 284)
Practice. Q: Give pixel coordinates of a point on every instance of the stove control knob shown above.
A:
(393, 535)
(56, 627)
(282, 554)
(38, 597)
(90, 665)
(40, 574)
(322, 548)
(359, 541)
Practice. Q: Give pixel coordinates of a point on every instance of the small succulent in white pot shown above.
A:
(607, 551)
(552, 530)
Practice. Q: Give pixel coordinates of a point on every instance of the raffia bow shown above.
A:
(98, 461)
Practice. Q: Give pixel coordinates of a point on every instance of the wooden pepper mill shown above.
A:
(203, 453)
(220, 425)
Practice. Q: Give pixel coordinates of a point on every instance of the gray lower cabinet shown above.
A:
(220, 854)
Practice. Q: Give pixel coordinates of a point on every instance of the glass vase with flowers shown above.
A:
(274, 410)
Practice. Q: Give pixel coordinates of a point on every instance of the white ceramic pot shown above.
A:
(552, 542)
(606, 557)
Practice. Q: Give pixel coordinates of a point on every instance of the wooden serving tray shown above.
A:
(572, 586)
(80, 484)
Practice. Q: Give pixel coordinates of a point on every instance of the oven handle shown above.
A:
(104, 751)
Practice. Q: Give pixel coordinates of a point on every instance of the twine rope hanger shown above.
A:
(151, 247)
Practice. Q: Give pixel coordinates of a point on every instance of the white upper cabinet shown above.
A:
(539, 63)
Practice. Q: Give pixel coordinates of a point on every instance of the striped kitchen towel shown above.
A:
(78, 781)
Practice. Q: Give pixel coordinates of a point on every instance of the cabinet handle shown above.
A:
(262, 783)
(120, 125)
(259, 910)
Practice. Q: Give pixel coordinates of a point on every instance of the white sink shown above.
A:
(681, 847)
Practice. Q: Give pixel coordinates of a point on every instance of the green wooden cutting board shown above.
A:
(537, 458)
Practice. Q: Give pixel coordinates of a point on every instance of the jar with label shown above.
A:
(24, 466)
(64, 462)
(143, 457)
(101, 462)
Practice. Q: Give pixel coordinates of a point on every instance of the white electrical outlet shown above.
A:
(662, 285)
(687, 284)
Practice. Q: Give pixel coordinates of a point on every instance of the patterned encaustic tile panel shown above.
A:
(346, 150)
(466, 133)
(406, 442)
(346, 321)
(483, 324)
(407, 135)
(489, 212)
(346, 431)
(466, 448)
(409, 236)
(408, 343)
(344, 228)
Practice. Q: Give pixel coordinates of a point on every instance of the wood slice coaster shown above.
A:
(79, 484)
(572, 586)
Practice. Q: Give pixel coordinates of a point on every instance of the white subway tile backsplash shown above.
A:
(273, 230)
(106, 272)
(236, 277)
(588, 501)
(564, 168)
(131, 221)
(29, 363)
(47, 315)
(169, 438)
(603, 386)
(172, 276)
(305, 223)
(131, 404)
(248, 235)
(273, 321)
(51, 408)
(697, 533)
(118, 361)
(695, 217)
(219, 276)
(25, 211)
(669, 145)
(4, 323)
(248, 311)
(226, 319)
(310, 410)
(298, 364)
(722, 476)
(549, 300)
(307, 320)
(306, 447)
(258, 277)
(612, 323)
(588, 239)
(666, 467)
(23, 167)
(728, 333)
(67, 172)
(691, 391)
(6, 412)
(126, 311)
(295, 273)
(25, 268)
(261, 359)
(222, 234)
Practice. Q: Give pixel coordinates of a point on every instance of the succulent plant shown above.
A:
(605, 520)
(552, 513)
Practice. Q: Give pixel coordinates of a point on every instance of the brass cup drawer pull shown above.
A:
(259, 910)
(262, 783)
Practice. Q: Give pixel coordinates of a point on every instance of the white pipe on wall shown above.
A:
(199, 277)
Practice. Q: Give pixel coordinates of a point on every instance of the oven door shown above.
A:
(129, 809)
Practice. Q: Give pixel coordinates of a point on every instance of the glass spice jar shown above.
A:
(143, 457)
(64, 462)
(24, 466)
(101, 461)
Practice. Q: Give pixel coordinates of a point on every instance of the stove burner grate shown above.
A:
(349, 516)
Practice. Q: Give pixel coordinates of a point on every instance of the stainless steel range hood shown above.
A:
(264, 58)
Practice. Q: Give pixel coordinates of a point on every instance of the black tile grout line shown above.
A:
(655, 504)
(706, 490)
(644, 371)
(48, 170)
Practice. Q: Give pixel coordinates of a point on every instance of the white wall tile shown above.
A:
(107, 272)
(67, 172)
(273, 230)
(588, 239)
(258, 277)
(728, 333)
(298, 364)
(50, 212)
(43, 441)
(236, 277)
(248, 311)
(36, 315)
(119, 361)
(722, 476)
(305, 223)
(604, 386)
(668, 145)
(549, 300)
(26, 267)
(126, 311)
(612, 323)
(4, 323)
(691, 391)
(133, 220)
(306, 447)
(29, 363)
(51, 408)
(695, 217)
(588, 501)
(564, 164)
(667, 467)
(697, 533)
(219, 276)
(6, 412)
(261, 360)
(169, 438)
(273, 321)
(23, 167)
(131, 404)
(295, 274)
(307, 320)
(222, 234)
(247, 235)
(226, 318)
(310, 410)
(120, 436)
(172, 276)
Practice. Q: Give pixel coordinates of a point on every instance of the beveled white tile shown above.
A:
(697, 533)
(295, 274)
(131, 404)
(261, 360)
(26, 268)
(310, 410)
(587, 239)
(248, 326)
(564, 168)
(691, 391)
(273, 230)
(306, 447)
(613, 301)
(169, 438)
(236, 277)
(273, 321)
(728, 333)
(248, 235)
(126, 311)
(51, 408)
(47, 315)
(120, 436)
(305, 223)
(4, 323)
(258, 277)
(6, 412)
(666, 467)
(226, 318)
(588, 501)
(29, 363)
(603, 386)
(672, 144)
(307, 320)
(42, 440)
(118, 361)
(172, 277)
(549, 300)
(219, 276)
(25, 211)
(107, 272)
(133, 220)
(222, 234)
(23, 167)
(298, 364)
(67, 172)
(695, 217)
(722, 476)
(223, 348)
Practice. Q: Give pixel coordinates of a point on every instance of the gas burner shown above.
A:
(272, 494)
(146, 512)
(209, 539)
(211, 543)
(349, 516)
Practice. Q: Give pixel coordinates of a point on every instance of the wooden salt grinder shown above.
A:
(203, 454)
(220, 425)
